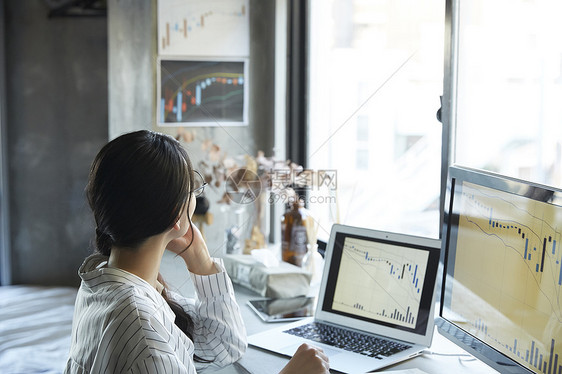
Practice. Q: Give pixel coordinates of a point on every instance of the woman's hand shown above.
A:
(307, 359)
(196, 256)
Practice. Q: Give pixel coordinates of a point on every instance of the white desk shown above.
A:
(258, 361)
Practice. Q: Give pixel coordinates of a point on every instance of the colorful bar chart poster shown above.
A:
(202, 93)
(508, 291)
(203, 28)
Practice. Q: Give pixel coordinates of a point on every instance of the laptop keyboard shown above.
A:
(357, 342)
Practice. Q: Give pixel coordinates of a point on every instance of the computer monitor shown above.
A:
(501, 296)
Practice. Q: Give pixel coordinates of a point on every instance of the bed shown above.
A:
(35, 328)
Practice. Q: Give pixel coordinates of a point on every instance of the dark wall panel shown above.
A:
(56, 95)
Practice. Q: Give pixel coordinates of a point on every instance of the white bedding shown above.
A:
(35, 328)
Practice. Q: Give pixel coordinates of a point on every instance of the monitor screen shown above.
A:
(502, 286)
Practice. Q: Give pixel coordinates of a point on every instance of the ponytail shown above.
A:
(183, 320)
(103, 242)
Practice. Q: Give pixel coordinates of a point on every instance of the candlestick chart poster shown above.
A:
(202, 92)
(203, 28)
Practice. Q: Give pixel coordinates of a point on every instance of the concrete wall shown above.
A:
(132, 90)
(56, 120)
(131, 54)
(60, 110)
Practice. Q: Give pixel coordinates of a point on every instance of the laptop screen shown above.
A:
(383, 281)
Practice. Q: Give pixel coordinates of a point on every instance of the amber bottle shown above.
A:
(294, 240)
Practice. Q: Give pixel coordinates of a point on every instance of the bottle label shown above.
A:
(298, 239)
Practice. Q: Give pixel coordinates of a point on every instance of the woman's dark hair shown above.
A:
(138, 186)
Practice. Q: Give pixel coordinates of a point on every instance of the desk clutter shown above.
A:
(281, 280)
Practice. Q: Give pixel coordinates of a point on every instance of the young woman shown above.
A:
(142, 191)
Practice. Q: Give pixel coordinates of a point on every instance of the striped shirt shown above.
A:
(123, 325)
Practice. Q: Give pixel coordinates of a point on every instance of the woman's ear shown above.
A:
(177, 225)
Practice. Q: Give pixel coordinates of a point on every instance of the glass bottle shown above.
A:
(233, 233)
(294, 240)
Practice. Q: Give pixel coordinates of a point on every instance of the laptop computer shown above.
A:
(375, 304)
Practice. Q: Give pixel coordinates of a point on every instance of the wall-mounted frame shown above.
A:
(203, 28)
(202, 91)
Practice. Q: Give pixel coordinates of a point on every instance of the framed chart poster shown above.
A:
(202, 69)
(202, 92)
(203, 28)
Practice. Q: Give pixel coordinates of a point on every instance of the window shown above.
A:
(375, 78)
(509, 88)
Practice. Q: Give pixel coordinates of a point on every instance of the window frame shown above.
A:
(298, 32)
(5, 263)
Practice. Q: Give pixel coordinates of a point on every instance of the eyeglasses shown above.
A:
(199, 184)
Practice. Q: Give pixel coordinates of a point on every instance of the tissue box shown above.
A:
(283, 281)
